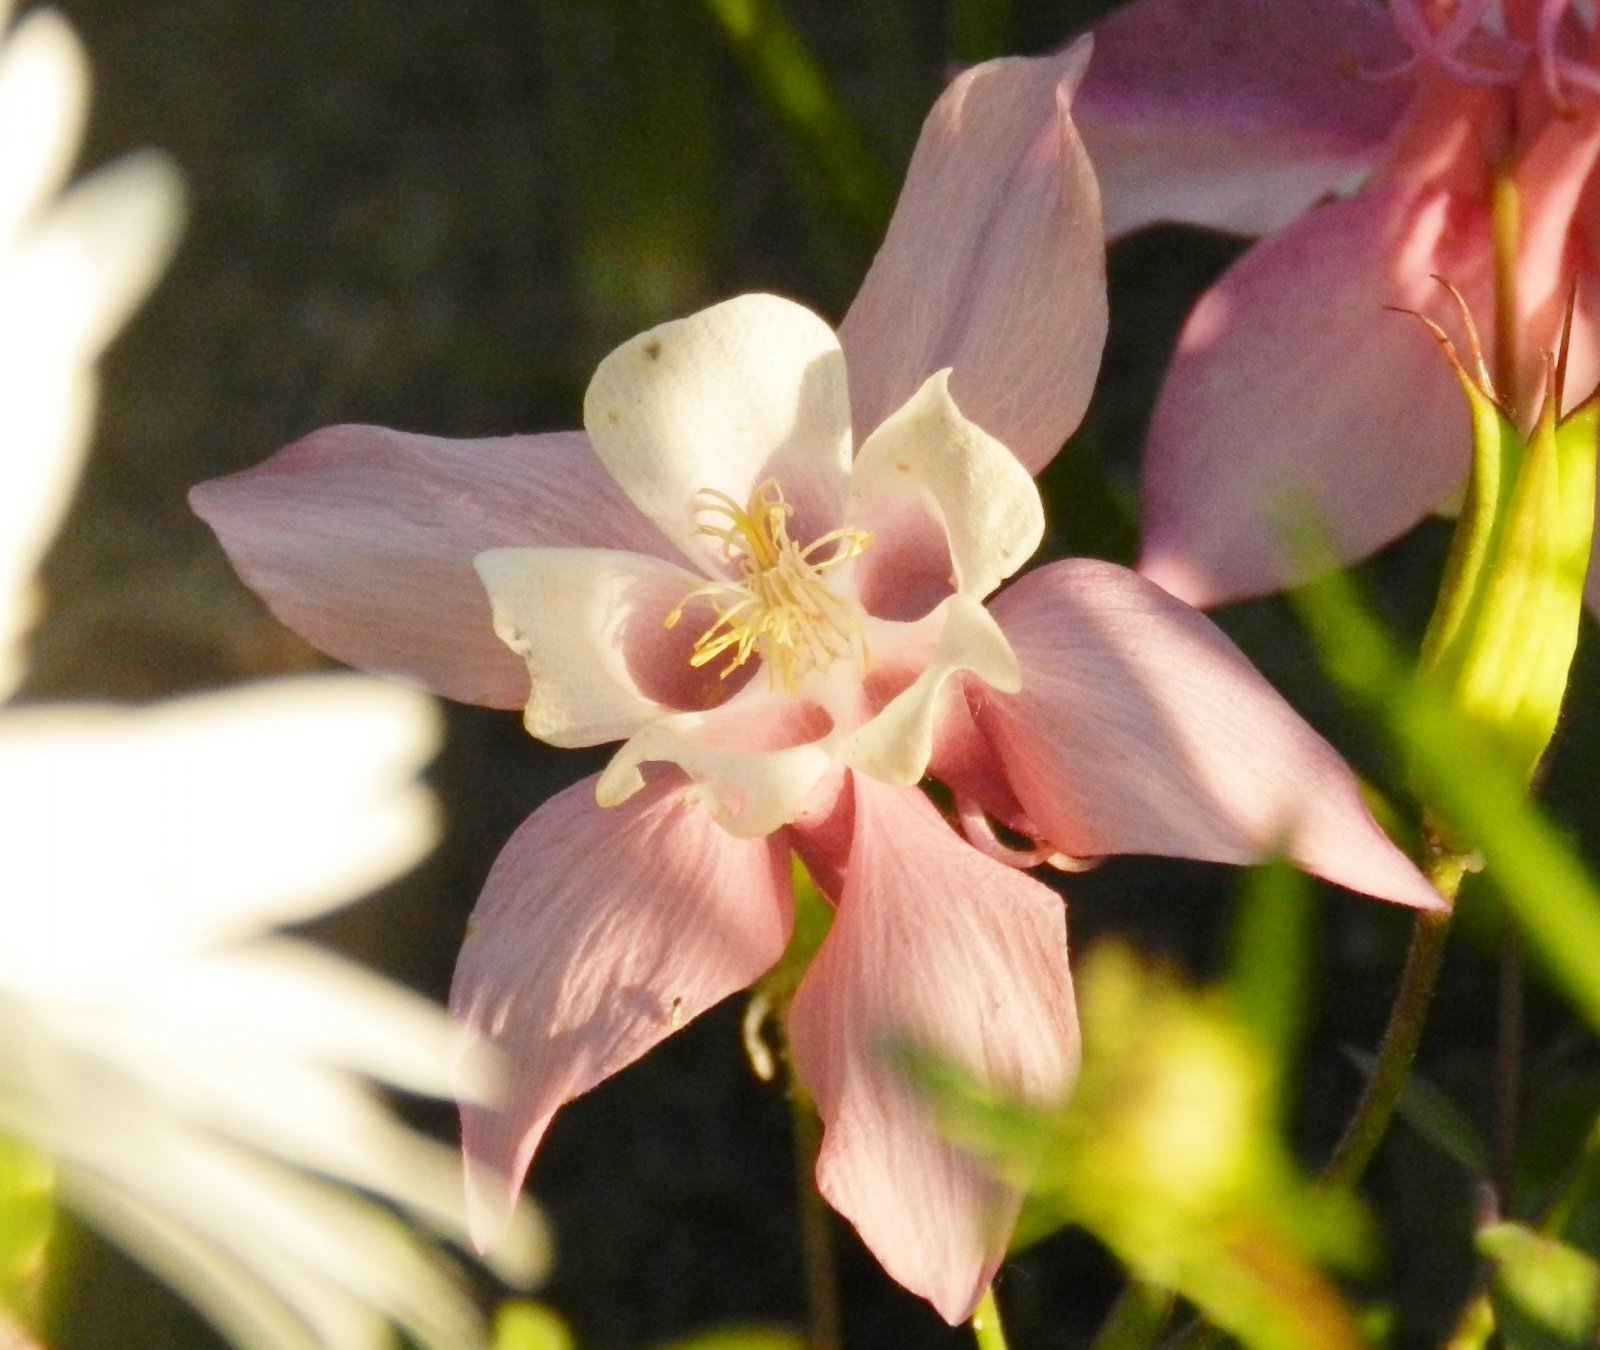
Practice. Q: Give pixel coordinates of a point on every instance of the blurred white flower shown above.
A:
(71, 270)
(201, 1084)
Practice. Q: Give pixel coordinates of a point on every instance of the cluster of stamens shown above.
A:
(780, 608)
(1472, 44)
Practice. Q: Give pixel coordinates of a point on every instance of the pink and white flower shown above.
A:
(762, 568)
(1292, 391)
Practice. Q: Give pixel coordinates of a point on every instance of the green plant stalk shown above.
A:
(986, 1324)
(1444, 868)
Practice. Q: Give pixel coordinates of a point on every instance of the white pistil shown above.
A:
(781, 608)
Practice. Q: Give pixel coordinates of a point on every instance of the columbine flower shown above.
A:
(198, 1084)
(1292, 391)
(771, 591)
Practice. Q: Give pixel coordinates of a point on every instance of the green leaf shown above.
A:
(27, 1219)
(743, 1338)
(1546, 1294)
(520, 1324)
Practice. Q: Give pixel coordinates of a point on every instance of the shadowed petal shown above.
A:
(362, 540)
(590, 623)
(1140, 728)
(927, 455)
(751, 389)
(1295, 400)
(598, 933)
(994, 264)
(1237, 114)
(938, 947)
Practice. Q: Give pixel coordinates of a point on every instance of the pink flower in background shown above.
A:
(1292, 390)
(762, 569)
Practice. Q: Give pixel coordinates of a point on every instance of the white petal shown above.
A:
(751, 790)
(926, 454)
(577, 616)
(66, 285)
(751, 389)
(895, 746)
(44, 93)
(137, 832)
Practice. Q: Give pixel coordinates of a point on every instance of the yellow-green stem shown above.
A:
(986, 1325)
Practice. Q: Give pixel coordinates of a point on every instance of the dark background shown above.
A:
(439, 216)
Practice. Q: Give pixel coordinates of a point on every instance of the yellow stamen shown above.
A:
(780, 609)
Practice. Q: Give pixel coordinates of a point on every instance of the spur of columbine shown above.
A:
(768, 583)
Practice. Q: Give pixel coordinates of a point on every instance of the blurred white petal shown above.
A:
(204, 1088)
(70, 273)
(139, 832)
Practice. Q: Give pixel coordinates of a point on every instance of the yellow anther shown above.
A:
(780, 609)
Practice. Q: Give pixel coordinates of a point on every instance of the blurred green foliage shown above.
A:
(1169, 1152)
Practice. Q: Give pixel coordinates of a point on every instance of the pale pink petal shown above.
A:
(362, 540)
(591, 626)
(1140, 728)
(938, 947)
(751, 389)
(1237, 114)
(993, 265)
(928, 457)
(1298, 405)
(599, 933)
(1556, 250)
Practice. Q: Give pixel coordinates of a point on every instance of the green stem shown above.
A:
(1444, 868)
(986, 1325)
(816, 1232)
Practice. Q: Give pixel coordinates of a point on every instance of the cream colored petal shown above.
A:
(751, 389)
(591, 625)
(752, 792)
(895, 746)
(927, 455)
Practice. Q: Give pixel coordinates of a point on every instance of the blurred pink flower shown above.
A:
(1292, 390)
(769, 586)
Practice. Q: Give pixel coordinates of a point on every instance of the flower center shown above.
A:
(781, 608)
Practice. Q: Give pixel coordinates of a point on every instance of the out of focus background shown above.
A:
(439, 217)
